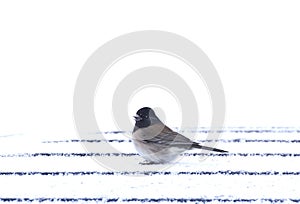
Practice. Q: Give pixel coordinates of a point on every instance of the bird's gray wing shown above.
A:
(168, 138)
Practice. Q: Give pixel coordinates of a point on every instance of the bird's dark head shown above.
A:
(145, 117)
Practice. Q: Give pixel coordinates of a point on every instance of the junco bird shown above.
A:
(156, 142)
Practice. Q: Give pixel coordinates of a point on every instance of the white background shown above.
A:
(254, 46)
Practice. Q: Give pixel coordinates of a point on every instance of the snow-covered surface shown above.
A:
(262, 166)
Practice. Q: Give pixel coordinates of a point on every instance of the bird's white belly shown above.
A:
(158, 156)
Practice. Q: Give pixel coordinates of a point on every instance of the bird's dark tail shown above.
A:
(198, 146)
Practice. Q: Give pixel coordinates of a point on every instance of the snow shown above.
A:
(260, 168)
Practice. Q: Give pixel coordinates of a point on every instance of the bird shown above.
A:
(156, 142)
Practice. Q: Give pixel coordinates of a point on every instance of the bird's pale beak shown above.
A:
(137, 118)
